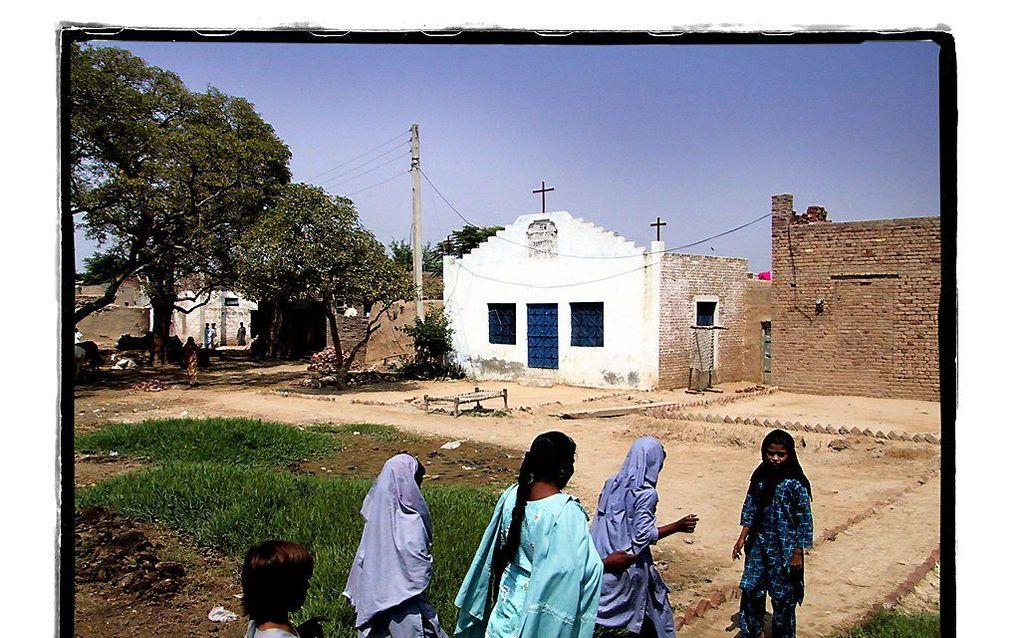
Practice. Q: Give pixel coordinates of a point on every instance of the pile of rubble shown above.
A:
(153, 385)
(324, 362)
(111, 549)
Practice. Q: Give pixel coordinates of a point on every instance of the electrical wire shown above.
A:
(332, 180)
(358, 156)
(366, 172)
(388, 179)
(641, 254)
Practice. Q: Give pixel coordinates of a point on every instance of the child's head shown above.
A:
(274, 580)
(551, 458)
(777, 448)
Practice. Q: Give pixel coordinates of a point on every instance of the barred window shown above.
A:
(586, 320)
(503, 323)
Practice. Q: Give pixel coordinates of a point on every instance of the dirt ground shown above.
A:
(706, 469)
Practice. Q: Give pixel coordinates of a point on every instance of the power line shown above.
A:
(388, 179)
(641, 254)
(563, 285)
(366, 172)
(399, 147)
(357, 156)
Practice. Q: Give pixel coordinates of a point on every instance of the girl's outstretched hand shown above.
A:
(688, 523)
(737, 547)
(618, 562)
(797, 561)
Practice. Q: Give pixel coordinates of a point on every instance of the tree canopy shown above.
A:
(164, 179)
(470, 237)
(310, 246)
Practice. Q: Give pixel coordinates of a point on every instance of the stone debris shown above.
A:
(839, 445)
(153, 385)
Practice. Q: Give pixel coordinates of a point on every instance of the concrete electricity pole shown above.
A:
(419, 305)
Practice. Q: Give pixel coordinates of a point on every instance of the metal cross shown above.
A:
(543, 190)
(658, 227)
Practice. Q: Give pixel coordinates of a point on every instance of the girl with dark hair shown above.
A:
(393, 564)
(536, 573)
(776, 527)
(636, 600)
(274, 582)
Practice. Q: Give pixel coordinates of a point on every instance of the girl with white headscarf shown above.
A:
(635, 600)
(393, 564)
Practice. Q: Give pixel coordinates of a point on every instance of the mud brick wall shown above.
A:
(757, 309)
(876, 333)
(683, 278)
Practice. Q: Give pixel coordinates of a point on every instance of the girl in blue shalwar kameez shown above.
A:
(776, 527)
(536, 573)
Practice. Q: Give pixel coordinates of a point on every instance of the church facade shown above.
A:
(555, 299)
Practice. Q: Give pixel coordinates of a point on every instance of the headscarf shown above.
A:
(770, 477)
(394, 560)
(613, 529)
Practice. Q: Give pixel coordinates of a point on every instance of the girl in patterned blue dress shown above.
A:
(776, 529)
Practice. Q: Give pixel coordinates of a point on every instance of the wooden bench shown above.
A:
(477, 396)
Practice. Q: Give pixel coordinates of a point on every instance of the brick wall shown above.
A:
(876, 331)
(757, 309)
(684, 277)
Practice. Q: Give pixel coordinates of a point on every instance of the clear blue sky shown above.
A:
(699, 135)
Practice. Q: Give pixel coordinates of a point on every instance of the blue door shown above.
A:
(543, 336)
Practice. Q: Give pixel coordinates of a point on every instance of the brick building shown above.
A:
(855, 304)
(555, 299)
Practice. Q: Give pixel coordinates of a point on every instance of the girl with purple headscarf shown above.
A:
(393, 564)
(635, 600)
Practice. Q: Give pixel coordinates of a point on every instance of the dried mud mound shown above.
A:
(113, 550)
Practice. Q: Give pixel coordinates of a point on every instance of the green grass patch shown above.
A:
(895, 624)
(223, 440)
(385, 433)
(231, 507)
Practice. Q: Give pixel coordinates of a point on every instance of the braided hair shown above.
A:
(770, 477)
(551, 458)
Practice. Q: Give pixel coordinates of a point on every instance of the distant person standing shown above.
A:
(207, 338)
(212, 336)
(241, 335)
(191, 360)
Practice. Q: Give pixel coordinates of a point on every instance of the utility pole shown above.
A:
(419, 305)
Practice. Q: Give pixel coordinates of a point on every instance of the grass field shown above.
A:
(895, 624)
(211, 482)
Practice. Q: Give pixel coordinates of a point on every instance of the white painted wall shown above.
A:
(226, 318)
(616, 272)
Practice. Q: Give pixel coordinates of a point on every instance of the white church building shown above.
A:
(553, 298)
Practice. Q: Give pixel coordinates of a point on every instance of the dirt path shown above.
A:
(845, 576)
(706, 469)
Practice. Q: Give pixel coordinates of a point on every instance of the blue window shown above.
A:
(586, 324)
(503, 323)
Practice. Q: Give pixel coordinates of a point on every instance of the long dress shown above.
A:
(191, 361)
(549, 590)
(786, 525)
(625, 521)
(393, 564)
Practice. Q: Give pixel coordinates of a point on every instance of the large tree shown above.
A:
(163, 178)
(311, 247)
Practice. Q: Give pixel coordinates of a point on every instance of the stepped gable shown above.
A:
(602, 241)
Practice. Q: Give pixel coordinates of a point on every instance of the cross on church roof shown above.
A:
(543, 190)
(658, 227)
